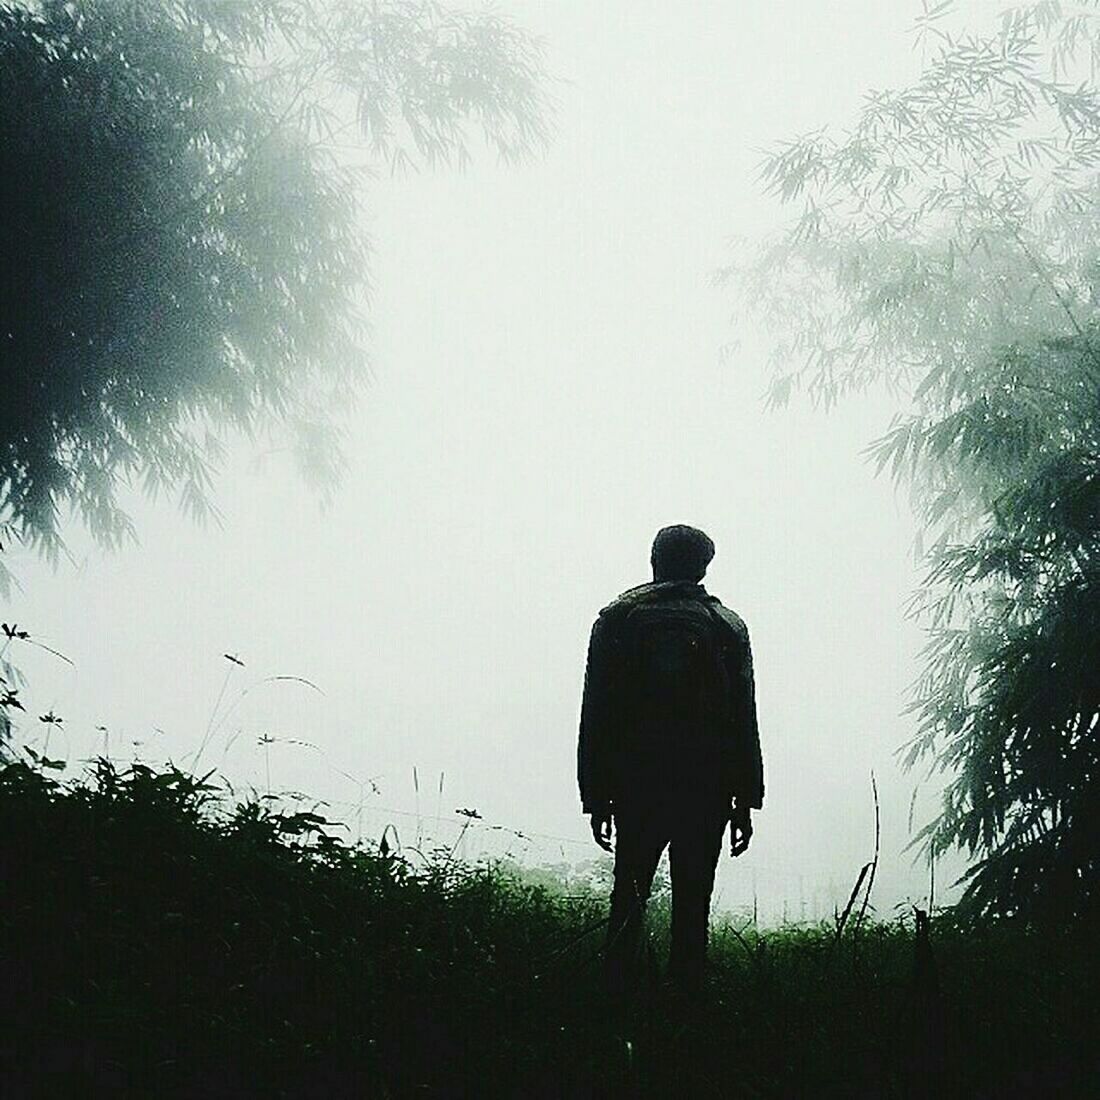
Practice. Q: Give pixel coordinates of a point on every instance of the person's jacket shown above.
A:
(605, 745)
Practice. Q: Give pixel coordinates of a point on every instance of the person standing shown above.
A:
(668, 753)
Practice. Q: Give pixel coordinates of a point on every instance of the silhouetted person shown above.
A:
(669, 751)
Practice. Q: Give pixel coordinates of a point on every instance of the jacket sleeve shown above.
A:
(748, 773)
(595, 745)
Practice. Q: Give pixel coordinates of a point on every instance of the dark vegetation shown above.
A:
(158, 939)
(182, 185)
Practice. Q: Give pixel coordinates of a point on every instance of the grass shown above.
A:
(158, 939)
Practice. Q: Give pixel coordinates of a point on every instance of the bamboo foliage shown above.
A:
(182, 238)
(948, 245)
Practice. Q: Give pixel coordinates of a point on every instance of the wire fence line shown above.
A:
(775, 893)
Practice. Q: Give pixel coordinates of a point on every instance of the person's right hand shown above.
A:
(601, 828)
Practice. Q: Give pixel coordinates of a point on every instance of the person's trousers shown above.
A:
(692, 830)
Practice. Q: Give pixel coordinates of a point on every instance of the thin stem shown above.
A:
(213, 714)
(874, 861)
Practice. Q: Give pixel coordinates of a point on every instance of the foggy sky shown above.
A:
(549, 389)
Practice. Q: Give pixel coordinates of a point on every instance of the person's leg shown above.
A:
(639, 841)
(697, 833)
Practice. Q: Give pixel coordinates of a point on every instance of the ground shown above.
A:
(158, 939)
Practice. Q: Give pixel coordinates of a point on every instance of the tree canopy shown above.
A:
(948, 245)
(180, 225)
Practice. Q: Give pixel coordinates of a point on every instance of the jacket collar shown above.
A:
(655, 590)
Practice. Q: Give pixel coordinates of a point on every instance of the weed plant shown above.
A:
(160, 939)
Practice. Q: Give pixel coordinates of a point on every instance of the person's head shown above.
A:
(680, 553)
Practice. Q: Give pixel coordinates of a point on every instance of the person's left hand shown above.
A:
(740, 830)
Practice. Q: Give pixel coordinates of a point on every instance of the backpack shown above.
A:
(675, 667)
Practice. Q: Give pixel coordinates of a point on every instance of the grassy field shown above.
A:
(158, 940)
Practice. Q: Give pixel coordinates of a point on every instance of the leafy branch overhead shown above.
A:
(182, 232)
(948, 245)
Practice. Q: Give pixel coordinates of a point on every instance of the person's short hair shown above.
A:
(681, 553)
